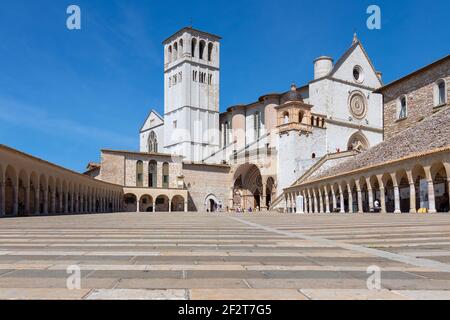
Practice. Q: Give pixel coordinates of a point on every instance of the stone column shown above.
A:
(350, 199)
(2, 199)
(170, 205)
(316, 204)
(27, 200)
(341, 198)
(397, 199)
(263, 206)
(66, 202)
(45, 201)
(186, 206)
(16, 200)
(333, 194)
(285, 203)
(321, 201)
(383, 199)
(327, 201)
(305, 202)
(412, 198)
(448, 188)
(359, 195)
(370, 194)
(431, 198)
(36, 200)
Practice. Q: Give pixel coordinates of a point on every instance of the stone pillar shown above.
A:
(27, 200)
(448, 188)
(350, 199)
(327, 201)
(66, 202)
(263, 206)
(321, 201)
(383, 199)
(431, 198)
(370, 194)
(341, 198)
(316, 203)
(397, 199)
(154, 206)
(37, 202)
(2, 199)
(186, 206)
(305, 202)
(170, 205)
(16, 200)
(45, 201)
(359, 195)
(333, 194)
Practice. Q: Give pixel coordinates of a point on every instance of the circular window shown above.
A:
(358, 74)
(358, 105)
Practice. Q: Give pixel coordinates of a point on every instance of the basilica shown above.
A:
(335, 144)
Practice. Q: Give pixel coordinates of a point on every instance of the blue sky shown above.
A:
(64, 95)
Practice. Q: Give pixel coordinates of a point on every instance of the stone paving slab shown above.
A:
(347, 294)
(42, 294)
(246, 294)
(256, 256)
(129, 294)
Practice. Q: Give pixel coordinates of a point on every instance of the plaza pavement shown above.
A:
(217, 256)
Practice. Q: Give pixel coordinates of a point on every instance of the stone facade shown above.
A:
(419, 88)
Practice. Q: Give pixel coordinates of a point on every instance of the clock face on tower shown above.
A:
(358, 105)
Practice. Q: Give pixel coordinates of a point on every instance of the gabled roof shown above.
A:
(356, 43)
(148, 116)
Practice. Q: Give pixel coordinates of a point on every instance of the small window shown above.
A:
(313, 155)
(175, 124)
(210, 50)
(358, 75)
(403, 108)
(440, 93)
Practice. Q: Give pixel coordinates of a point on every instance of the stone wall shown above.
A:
(419, 91)
(203, 180)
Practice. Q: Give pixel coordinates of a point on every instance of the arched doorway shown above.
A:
(441, 192)
(247, 187)
(211, 203)
(146, 203)
(270, 191)
(130, 203)
(162, 203)
(177, 204)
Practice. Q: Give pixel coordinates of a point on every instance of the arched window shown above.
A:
(165, 175)
(402, 108)
(285, 118)
(193, 47)
(225, 134)
(152, 142)
(202, 49)
(139, 174)
(210, 50)
(313, 155)
(440, 93)
(169, 56)
(152, 174)
(300, 117)
(175, 51)
(312, 120)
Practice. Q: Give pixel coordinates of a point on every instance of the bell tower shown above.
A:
(191, 93)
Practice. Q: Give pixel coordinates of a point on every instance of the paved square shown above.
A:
(206, 256)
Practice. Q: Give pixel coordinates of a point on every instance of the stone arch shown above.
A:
(177, 203)
(248, 180)
(375, 186)
(202, 45)
(404, 190)
(270, 191)
(146, 203)
(193, 47)
(421, 185)
(130, 202)
(366, 203)
(11, 181)
(389, 193)
(210, 51)
(162, 203)
(440, 182)
(211, 203)
(358, 142)
(23, 184)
